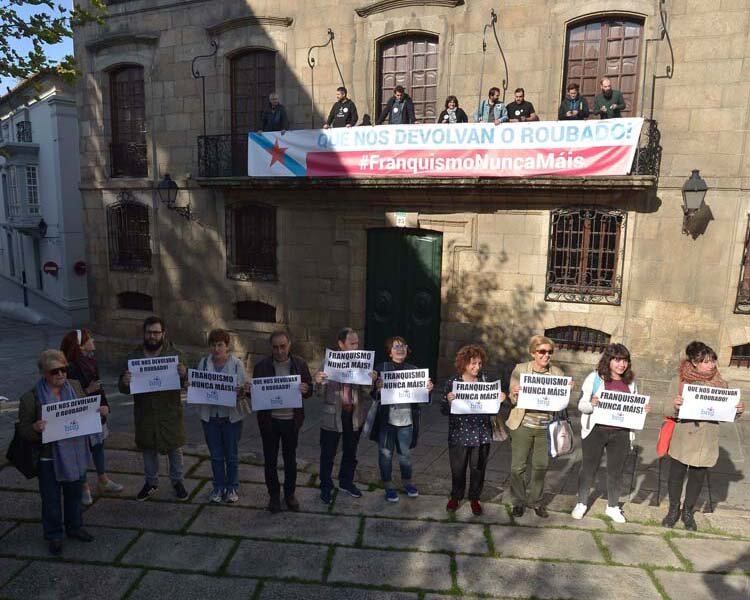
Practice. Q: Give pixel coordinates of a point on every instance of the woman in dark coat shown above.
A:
(452, 113)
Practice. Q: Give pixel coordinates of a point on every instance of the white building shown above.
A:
(42, 246)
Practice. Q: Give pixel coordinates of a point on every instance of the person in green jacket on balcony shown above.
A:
(610, 103)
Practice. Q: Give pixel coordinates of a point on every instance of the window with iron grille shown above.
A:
(742, 302)
(129, 236)
(251, 242)
(32, 191)
(135, 301)
(128, 156)
(740, 356)
(585, 255)
(254, 310)
(572, 337)
(23, 131)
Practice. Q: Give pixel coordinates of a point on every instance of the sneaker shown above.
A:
(541, 512)
(391, 495)
(476, 508)
(517, 511)
(352, 490)
(614, 513)
(179, 491)
(411, 490)
(231, 497)
(146, 492)
(292, 503)
(216, 496)
(579, 510)
(326, 497)
(110, 487)
(452, 505)
(86, 498)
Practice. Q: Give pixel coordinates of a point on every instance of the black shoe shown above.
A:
(146, 492)
(326, 497)
(292, 503)
(352, 490)
(688, 520)
(274, 505)
(517, 511)
(55, 547)
(541, 512)
(179, 491)
(672, 516)
(81, 535)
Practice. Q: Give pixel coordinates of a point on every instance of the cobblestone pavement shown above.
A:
(366, 548)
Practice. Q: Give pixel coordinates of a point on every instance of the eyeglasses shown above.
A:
(58, 371)
(154, 333)
(550, 352)
(399, 347)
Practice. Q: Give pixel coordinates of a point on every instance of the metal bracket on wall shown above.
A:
(197, 75)
(311, 63)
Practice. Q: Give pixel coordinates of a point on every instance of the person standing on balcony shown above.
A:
(343, 112)
(492, 110)
(399, 110)
(452, 113)
(610, 103)
(520, 110)
(574, 106)
(274, 117)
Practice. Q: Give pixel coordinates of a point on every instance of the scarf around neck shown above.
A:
(690, 374)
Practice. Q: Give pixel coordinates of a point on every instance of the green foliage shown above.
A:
(50, 26)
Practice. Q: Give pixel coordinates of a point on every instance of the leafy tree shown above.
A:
(49, 25)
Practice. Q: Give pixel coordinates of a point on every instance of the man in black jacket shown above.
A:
(281, 426)
(343, 112)
(399, 110)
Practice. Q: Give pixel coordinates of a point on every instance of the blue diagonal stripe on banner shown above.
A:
(291, 164)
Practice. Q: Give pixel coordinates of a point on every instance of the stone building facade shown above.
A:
(588, 260)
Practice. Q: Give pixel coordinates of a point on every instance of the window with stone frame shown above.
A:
(740, 356)
(135, 301)
(251, 242)
(128, 151)
(585, 255)
(742, 301)
(254, 310)
(581, 339)
(129, 235)
(608, 46)
(410, 60)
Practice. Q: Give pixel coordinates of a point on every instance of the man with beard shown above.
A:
(159, 428)
(399, 110)
(343, 112)
(610, 102)
(492, 110)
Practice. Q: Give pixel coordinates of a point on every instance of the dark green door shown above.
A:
(403, 292)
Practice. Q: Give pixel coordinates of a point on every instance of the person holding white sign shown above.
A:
(159, 426)
(280, 426)
(342, 417)
(469, 435)
(222, 425)
(62, 464)
(613, 373)
(396, 426)
(528, 432)
(694, 446)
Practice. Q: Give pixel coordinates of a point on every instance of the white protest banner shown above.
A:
(544, 392)
(153, 374)
(476, 397)
(210, 387)
(702, 403)
(71, 418)
(268, 393)
(404, 387)
(349, 366)
(620, 409)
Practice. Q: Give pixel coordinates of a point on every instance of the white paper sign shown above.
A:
(349, 366)
(404, 387)
(268, 393)
(476, 398)
(702, 403)
(550, 393)
(620, 409)
(153, 374)
(210, 387)
(71, 418)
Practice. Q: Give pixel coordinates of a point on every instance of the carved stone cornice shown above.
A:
(249, 21)
(384, 5)
(118, 39)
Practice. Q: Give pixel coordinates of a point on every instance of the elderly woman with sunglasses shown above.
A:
(528, 432)
(62, 464)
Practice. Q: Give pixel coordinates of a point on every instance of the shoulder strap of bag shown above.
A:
(205, 363)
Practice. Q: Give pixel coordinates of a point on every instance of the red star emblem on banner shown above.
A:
(277, 153)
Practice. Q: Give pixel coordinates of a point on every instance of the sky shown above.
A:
(55, 52)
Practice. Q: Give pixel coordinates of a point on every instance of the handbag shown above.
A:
(372, 414)
(559, 435)
(24, 455)
(499, 433)
(665, 436)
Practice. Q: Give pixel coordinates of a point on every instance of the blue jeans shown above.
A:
(223, 438)
(329, 443)
(399, 438)
(52, 493)
(97, 453)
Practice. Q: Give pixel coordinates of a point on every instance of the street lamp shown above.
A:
(167, 189)
(693, 195)
(42, 227)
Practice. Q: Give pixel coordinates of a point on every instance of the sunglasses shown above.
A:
(58, 371)
(550, 352)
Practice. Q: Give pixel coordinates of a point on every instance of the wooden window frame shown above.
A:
(251, 255)
(129, 235)
(128, 149)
